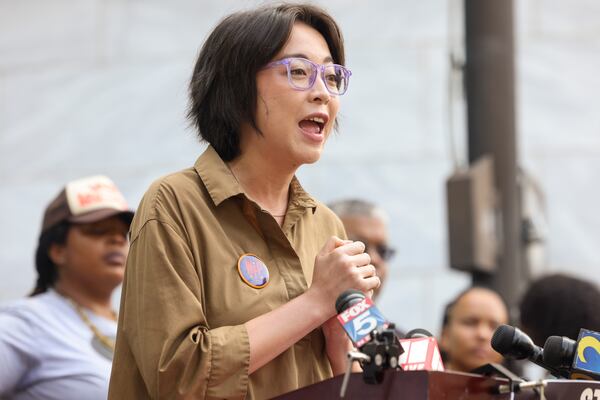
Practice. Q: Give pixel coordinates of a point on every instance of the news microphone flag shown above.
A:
(586, 361)
(420, 354)
(360, 319)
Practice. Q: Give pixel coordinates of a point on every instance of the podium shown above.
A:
(436, 385)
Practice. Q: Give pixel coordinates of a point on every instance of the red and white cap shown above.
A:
(86, 200)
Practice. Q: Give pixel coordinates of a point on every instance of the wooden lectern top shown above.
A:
(406, 385)
(437, 385)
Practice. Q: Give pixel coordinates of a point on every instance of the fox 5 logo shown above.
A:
(360, 320)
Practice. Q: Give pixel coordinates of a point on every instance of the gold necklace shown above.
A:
(103, 339)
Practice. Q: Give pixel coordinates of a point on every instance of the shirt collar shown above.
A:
(300, 197)
(221, 184)
(217, 177)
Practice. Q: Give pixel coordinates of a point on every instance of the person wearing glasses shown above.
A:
(367, 223)
(58, 343)
(234, 269)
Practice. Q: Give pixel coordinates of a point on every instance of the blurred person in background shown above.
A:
(559, 305)
(58, 343)
(367, 223)
(468, 325)
(234, 269)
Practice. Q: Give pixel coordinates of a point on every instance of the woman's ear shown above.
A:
(57, 253)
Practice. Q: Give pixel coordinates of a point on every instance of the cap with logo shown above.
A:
(87, 200)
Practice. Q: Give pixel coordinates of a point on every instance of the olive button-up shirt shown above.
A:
(181, 332)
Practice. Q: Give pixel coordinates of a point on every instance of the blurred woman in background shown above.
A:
(58, 343)
(469, 323)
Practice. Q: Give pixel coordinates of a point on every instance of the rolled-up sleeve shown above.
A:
(163, 331)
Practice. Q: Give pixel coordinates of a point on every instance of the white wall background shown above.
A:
(99, 86)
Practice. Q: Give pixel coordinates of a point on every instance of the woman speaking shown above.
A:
(234, 269)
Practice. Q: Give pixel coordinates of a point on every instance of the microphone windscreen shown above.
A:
(418, 333)
(502, 340)
(512, 342)
(559, 351)
(348, 298)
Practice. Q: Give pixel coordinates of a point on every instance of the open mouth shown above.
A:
(313, 124)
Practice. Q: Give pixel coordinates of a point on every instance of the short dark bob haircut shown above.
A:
(223, 86)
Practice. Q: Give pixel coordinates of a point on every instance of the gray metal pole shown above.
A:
(490, 90)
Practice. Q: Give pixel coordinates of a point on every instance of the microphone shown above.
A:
(580, 359)
(421, 352)
(359, 316)
(371, 333)
(511, 342)
(417, 333)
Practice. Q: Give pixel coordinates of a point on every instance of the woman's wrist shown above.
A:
(319, 303)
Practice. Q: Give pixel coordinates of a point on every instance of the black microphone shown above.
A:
(559, 351)
(511, 342)
(418, 333)
(370, 332)
(359, 316)
(580, 359)
(347, 299)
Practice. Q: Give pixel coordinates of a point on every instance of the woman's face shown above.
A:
(94, 255)
(473, 320)
(283, 113)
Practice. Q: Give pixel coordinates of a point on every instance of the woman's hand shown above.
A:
(339, 266)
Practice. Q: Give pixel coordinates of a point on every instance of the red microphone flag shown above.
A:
(421, 354)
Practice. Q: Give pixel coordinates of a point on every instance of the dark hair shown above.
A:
(47, 273)
(559, 305)
(452, 303)
(223, 86)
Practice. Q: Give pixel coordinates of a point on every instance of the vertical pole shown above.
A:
(490, 91)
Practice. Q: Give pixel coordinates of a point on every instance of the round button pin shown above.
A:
(253, 271)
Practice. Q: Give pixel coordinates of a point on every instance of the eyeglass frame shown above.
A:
(316, 67)
(385, 251)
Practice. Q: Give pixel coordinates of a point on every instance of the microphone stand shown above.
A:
(381, 352)
(515, 383)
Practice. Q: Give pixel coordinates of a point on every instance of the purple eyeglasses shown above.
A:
(302, 74)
